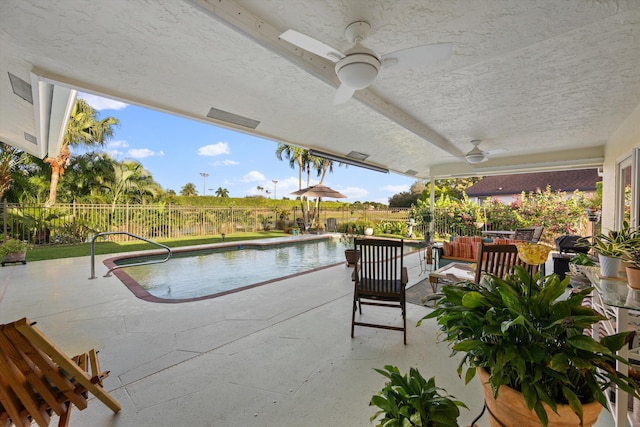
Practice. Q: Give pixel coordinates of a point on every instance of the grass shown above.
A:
(45, 252)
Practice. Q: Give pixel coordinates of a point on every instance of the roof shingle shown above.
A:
(569, 180)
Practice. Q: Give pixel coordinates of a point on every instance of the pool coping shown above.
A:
(144, 295)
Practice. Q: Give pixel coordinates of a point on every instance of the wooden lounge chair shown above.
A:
(380, 280)
(499, 260)
(38, 379)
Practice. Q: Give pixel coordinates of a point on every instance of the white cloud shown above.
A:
(117, 144)
(214, 149)
(253, 176)
(396, 188)
(98, 103)
(355, 193)
(225, 162)
(114, 153)
(141, 153)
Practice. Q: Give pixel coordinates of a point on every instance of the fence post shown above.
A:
(5, 218)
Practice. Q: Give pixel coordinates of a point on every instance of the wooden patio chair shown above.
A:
(380, 280)
(37, 379)
(537, 234)
(524, 234)
(331, 225)
(499, 260)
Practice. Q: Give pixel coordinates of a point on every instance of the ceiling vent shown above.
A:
(357, 155)
(411, 172)
(21, 88)
(225, 116)
(32, 139)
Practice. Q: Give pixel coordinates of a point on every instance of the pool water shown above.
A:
(208, 272)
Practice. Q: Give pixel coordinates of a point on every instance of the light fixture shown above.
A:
(475, 157)
(347, 161)
(358, 70)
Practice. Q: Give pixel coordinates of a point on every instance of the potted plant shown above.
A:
(609, 247)
(13, 250)
(631, 255)
(350, 253)
(411, 400)
(527, 342)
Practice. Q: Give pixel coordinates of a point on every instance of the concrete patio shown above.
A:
(275, 355)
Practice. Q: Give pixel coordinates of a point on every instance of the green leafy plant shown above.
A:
(411, 400)
(614, 243)
(631, 245)
(13, 246)
(582, 259)
(530, 338)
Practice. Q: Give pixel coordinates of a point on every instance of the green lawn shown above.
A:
(43, 252)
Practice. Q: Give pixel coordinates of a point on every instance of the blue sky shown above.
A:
(176, 150)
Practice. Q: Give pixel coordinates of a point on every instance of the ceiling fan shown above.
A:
(358, 67)
(476, 155)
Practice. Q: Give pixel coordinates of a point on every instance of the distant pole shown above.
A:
(204, 176)
(275, 184)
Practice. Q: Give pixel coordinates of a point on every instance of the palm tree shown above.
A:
(10, 158)
(129, 181)
(300, 157)
(84, 128)
(189, 189)
(222, 192)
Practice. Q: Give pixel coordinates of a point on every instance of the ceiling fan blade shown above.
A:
(343, 94)
(417, 56)
(312, 45)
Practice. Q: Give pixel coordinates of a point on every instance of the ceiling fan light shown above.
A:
(474, 158)
(358, 71)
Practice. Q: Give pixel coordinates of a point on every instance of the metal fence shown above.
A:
(74, 223)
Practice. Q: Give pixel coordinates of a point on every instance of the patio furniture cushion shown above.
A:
(461, 248)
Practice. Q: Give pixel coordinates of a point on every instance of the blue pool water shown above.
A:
(208, 272)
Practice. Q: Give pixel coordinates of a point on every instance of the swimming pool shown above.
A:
(207, 273)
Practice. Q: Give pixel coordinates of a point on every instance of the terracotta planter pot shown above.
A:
(352, 256)
(511, 410)
(633, 277)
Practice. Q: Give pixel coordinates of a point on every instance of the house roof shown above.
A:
(569, 180)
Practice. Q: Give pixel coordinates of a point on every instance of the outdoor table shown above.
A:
(456, 272)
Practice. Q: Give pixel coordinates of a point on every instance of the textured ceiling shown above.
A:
(546, 81)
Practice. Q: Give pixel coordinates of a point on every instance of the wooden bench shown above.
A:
(37, 379)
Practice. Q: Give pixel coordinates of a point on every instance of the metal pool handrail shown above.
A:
(106, 233)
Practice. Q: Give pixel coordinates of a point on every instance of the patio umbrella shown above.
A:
(319, 191)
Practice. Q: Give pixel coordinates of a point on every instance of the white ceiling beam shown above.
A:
(232, 14)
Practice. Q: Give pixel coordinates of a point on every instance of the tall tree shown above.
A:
(222, 192)
(295, 156)
(129, 181)
(84, 128)
(189, 189)
(300, 157)
(10, 158)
